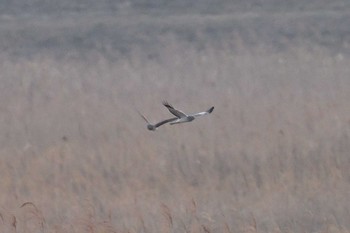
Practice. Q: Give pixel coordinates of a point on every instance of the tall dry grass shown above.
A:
(273, 157)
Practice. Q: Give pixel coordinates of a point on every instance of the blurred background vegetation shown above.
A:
(273, 157)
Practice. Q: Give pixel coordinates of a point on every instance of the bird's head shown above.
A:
(151, 127)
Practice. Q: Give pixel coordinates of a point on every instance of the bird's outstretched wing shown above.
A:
(155, 126)
(210, 110)
(165, 121)
(143, 117)
(174, 111)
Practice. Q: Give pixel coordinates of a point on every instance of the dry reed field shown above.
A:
(273, 156)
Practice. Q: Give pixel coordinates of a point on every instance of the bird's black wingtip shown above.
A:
(166, 104)
(211, 109)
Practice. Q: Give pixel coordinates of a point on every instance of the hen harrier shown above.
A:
(182, 117)
(155, 126)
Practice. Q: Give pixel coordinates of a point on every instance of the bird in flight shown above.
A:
(155, 126)
(182, 117)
